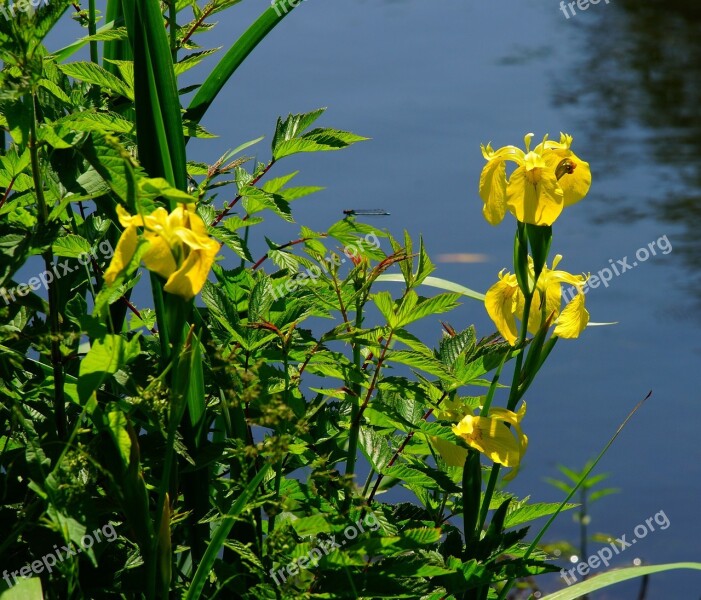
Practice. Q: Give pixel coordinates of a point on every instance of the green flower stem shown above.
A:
(92, 30)
(179, 390)
(484, 412)
(471, 488)
(514, 397)
(53, 316)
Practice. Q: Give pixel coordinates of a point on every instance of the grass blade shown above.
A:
(437, 282)
(617, 576)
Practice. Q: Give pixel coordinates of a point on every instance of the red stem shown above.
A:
(7, 191)
(287, 245)
(225, 212)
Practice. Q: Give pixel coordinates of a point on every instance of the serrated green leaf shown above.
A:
(256, 200)
(420, 361)
(414, 308)
(318, 140)
(293, 126)
(96, 75)
(54, 90)
(233, 241)
(71, 246)
(385, 304)
(107, 122)
(409, 475)
(530, 512)
(375, 447)
(192, 60)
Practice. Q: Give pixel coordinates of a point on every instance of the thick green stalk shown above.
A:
(53, 316)
(91, 31)
(514, 397)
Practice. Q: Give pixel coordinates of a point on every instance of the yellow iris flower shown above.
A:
(547, 179)
(505, 303)
(180, 249)
(489, 435)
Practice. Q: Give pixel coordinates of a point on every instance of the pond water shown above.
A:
(429, 81)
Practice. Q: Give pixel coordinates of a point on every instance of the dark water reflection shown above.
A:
(638, 86)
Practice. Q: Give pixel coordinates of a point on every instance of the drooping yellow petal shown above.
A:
(492, 190)
(492, 438)
(159, 256)
(500, 301)
(126, 247)
(128, 220)
(534, 196)
(157, 222)
(576, 182)
(573, 319)
(188, 280)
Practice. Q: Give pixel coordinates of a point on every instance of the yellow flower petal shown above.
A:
(500, 302)
(492, 190)
(575, 185)
(534, 196)
(189, 279)
(492, 438)
(126, 247)
(573, 319)
(127, 220)
(542, 202)
(159, 256)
